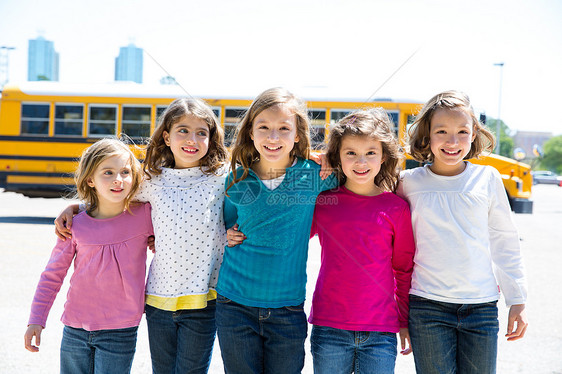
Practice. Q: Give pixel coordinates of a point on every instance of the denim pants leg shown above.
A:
(478, 338)
(261, 340)
(181, 341)
(453, 338)
(342, 351)
(76, 353)
(97, 352)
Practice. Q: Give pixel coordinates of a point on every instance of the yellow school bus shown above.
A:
(45, 126)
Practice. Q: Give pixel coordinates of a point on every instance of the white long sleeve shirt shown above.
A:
(466, 241)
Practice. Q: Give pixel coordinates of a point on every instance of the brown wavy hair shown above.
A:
(91, 158)
(418, 134)
(375, 124)
(244, 153)
(159, 155)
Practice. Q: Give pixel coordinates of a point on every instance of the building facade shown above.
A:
(128, 65)
(527, 140)
(42, 60)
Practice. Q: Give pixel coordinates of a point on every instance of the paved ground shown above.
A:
(26, 239)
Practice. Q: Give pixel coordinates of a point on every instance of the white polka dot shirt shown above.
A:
(187, 215)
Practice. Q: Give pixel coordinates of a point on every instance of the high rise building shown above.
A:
(128, 66)
(42, 60)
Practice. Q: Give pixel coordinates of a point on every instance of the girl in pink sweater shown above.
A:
(105, 300)
(361, 296)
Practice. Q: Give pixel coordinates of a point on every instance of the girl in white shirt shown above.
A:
(466, 243)
(185, 171)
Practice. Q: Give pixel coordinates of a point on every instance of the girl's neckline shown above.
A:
(182, 170)
(293, 163)
(298, 161)
(105, 219)
(431, 172)
(348, 191)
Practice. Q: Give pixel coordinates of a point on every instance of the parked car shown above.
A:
(546, 177)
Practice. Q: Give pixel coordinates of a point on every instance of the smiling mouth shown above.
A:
(272, 148)
(189, 150)
(361, 172)
(117, 189)
(452, 153)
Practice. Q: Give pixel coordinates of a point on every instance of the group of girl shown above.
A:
(438, 294)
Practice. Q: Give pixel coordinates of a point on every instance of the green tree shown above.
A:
(506, 139)
(552, 159)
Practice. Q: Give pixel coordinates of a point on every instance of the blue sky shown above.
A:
(349, 47)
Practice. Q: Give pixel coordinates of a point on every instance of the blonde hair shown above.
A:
(419, 133)
(91, 158)
(375, 124)
(244, 153)
(159, 155)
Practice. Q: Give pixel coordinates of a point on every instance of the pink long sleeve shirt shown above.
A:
(367, 261)
(107, 287)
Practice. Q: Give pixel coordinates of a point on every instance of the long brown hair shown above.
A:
(91, 158)
(375, 124)
(418, 142)
(244, 153)
(159, 155)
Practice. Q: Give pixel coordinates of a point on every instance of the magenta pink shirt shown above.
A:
(107, 287)
(367, 261)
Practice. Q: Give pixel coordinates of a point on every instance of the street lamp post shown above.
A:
(6, 63)
(500, 64)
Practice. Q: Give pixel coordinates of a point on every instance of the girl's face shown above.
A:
(361, 159)
(274, 132)
(188, 140)
(112, 180)
(450, 139)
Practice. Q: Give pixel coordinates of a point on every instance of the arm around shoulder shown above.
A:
(63, 222)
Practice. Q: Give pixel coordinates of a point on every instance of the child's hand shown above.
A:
(234, 236)
(517, 315)
(33, 330)
(405, 337)
(321, 159)
(150, 244)
(63, 222)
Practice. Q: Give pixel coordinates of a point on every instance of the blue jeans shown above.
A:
(343, 351)
(97, 352)
(261, 340)
(453, 338)
(181, 341)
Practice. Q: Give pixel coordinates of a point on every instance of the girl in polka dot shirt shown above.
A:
(185, 171)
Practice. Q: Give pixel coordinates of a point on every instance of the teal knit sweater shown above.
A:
(269, 268)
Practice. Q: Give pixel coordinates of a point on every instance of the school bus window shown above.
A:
(35, 119)
(159, 111)
(393, 115)
(231, 118)
(410, 122)
(136, 121)
(102, 120)
(217, 112)
(69, 119)
(337, 114)
(318, 128)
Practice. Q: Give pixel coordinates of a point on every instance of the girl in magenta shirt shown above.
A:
(105, 300)
(361, 296)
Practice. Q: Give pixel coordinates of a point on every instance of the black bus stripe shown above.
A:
(38, 158)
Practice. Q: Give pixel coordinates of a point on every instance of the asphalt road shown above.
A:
(26, 240)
